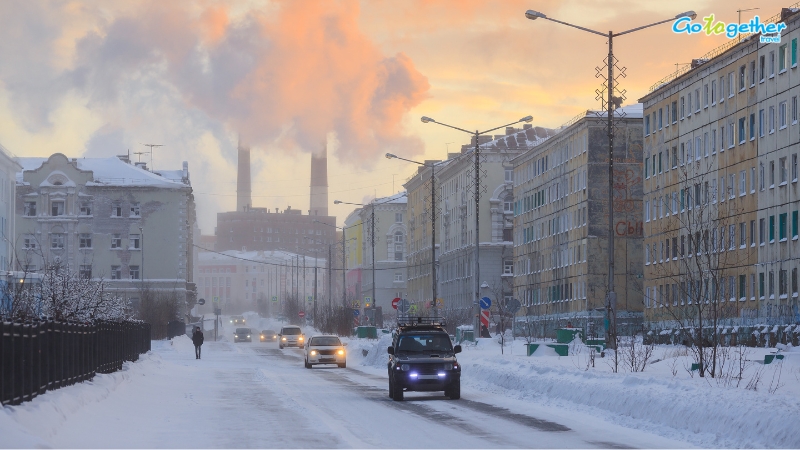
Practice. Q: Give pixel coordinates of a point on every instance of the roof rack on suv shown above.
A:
(420, 321)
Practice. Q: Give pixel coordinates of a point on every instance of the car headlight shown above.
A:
(300, 338)
(313, 353)
(341, 352)
(448, 367)
(248, 335)
(283, 338)
(274, 337)
(405, 367)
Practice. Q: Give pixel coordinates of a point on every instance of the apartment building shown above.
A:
(8, 171)
(720, 189)
(561, 224)
(109, 219)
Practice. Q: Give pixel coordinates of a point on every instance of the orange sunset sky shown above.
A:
(97, 78)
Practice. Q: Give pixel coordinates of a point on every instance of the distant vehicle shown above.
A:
(325, 350)
(290, 336)
(237, 320)
(268, 335)
(242, 335)
(422, 358)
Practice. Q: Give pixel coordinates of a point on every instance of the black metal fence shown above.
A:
(40, 356)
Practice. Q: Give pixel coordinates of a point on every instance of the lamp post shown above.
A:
(432, 166)
(477, 192)
(344, 272)
(611, 103)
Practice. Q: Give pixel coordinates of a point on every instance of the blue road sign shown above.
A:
(403, 306)
(356, 313)
(486, 303)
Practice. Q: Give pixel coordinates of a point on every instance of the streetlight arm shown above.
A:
(497, 128)
(576, 26)
(641, 28)
(455, 128)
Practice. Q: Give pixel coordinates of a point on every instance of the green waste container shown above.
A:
(367, 332)
(561, 349)
(464, 335)
(566, 335)
(532, 348)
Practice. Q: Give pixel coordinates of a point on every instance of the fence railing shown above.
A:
(39, 356)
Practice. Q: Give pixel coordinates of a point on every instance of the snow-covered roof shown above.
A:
(111, 171)
(634, 111)
(399, 198)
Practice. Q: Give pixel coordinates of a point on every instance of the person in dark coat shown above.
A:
(485, 332)
(197, 339)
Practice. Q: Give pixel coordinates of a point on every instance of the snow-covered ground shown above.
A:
(255, 395)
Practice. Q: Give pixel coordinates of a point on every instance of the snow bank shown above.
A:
(377, 356)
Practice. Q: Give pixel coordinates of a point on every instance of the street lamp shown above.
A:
(433, 218)
(610, 105)
(477, 192)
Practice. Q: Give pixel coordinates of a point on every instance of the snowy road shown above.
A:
(255, 395)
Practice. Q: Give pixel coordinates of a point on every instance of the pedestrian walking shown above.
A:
(197, 339)
(485, 332)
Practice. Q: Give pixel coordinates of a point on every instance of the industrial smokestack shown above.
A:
(243, 201)
(319, 182)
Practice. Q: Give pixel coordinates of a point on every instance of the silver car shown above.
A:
(325, 350)
(291, 336)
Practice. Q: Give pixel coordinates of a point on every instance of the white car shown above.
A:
(325, 349)
(291, 336)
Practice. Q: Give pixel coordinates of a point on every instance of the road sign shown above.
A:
(439, 303)
(403, 306)
(413, 309)
(275, 298)
(202, 301)
(215, 299)
(301, 314)
(395, 302)
(356, 305)
(310, 299)
(356, 313)
(485, 318)
(486, 303)
(513, 306)
(367, 300)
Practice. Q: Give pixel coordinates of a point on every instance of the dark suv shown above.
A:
(422, 358)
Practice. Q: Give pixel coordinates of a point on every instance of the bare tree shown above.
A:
(700, 255)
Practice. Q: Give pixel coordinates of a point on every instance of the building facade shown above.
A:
(238, 282)
(721, 190)
(561, 228)
(455, 222)
(8, 173)
(107, 219)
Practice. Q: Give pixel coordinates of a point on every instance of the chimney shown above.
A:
(319, 182)
(243, 192)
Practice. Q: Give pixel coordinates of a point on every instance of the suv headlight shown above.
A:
(283, 338)
(341, 352)
(405, 367)
(448, 367)
(313, 353)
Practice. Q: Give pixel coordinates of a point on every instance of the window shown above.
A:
(57, 240)
(689, 105)
(116, 273)
(762, 69)
(116, 241)
(85, 271)
(399, 246)
(647, 167)
(752, 126)
(732, 185)
(660, 119)
(741, 77)
(721, 89)
(508, 267)
(752, 73)
(761, 231)
(85, 240)
(742, 183)
(771, 229)
(730, 85)
(782, 114)
(794, 225)
(794, 110)
(398, 277)
(134, 241)
(752, 286)
(731, 137)
(675, 111)
(713, 91)
(116, 209)
(683, 104)
(57, 208)
(732, 240)
(771, 119)
(771, 286)
(783, 170)
(134, 272)
(752, 179)
(782, 285)
(706, 97)
(30, 209)
(761, 122)
(742, 234)
(782, 227)
(772, 64)
(794, 282)
(742, 137)
(782, 58)
(752, 233)
(29, 242)
(794, 53)
(761, 176)
(398, 217)
(86, 208)
(697, 100)
(772, 174)
(135, 209)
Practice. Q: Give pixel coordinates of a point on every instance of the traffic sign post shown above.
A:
(395, 302)
(301, 314)
(356, 313)
(486, 303)
(275, 299)
(403, 306)
(485, 318)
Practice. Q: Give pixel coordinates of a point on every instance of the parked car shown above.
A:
(237, 320)
(325, 350)
(243, 335)
(268, 335)
(291, 336)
